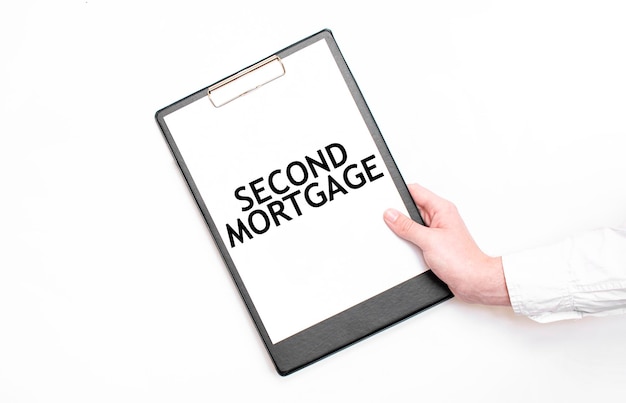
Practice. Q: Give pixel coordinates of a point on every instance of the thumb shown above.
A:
(405, 228)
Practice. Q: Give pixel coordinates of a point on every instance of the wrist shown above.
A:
(484, 283)
(494, 290)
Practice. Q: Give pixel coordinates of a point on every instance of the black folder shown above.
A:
(292, 175)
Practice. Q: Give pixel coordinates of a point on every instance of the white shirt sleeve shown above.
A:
(582, 275)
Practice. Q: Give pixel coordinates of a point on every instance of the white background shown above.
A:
(111, 288)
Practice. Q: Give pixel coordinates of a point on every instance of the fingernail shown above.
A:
(391, 215)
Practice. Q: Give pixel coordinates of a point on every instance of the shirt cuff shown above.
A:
(538, 282)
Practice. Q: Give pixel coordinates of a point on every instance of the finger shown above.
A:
(405, 228)
(435, 210)
(424, 198)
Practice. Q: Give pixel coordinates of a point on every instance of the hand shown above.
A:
(449, 249)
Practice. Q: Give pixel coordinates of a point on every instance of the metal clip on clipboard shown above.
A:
(246, 81)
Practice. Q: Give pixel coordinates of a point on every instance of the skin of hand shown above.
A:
(449, 249)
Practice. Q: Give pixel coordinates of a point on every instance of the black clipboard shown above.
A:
(292, 180)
